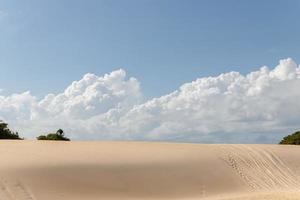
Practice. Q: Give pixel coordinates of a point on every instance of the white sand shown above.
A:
(138, 170)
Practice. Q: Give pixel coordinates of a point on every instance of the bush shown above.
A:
(291, 139)
(42, 137)
(5, 133)
(59, 135)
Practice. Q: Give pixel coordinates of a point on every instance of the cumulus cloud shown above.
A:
(90, 97)
(261, 102)
(258, 107)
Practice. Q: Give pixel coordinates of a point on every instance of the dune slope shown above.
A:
(140, 170)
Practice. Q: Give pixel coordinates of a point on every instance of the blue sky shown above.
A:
(45, 45)
(165, 45)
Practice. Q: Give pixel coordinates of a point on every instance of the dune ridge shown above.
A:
(43, 170)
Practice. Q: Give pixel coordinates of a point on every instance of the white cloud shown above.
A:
(263, 105)
(92, 95)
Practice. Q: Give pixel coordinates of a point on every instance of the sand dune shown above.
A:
(40, 170)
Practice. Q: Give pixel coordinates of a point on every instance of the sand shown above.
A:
(44, 170)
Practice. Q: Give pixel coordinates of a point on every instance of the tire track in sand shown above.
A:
(14, 191)
(261, 169)
(4, 192)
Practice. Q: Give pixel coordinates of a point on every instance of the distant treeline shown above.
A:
(6, 133)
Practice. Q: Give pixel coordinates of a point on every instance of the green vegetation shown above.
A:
(5, 133)
(59, 135)
(291, 139)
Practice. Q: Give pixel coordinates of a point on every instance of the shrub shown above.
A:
(42, 137)
(291, 139)
(59, 135)
(5, 133)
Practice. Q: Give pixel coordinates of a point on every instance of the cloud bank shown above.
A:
(258, 107)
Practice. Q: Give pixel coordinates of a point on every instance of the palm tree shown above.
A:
(60, 132)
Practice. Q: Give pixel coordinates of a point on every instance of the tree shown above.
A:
(59, 135)
(60, 132)
(5, 133)
(291, 139)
